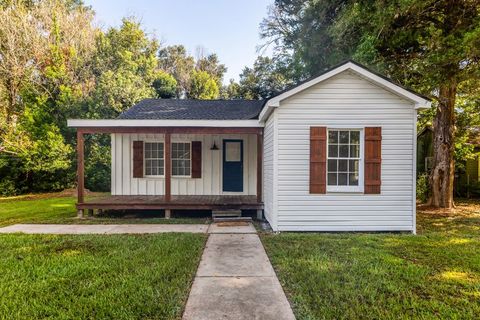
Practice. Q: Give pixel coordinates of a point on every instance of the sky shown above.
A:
(229, 28)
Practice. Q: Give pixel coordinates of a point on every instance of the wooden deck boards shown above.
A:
(202, 202)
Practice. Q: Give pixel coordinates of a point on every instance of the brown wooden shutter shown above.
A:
(318, 159)
(196, 159)
(373, 160)
(138, 159)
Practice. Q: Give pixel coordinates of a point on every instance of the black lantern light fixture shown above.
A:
(214, 147)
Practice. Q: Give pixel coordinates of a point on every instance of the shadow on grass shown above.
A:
(142, 216)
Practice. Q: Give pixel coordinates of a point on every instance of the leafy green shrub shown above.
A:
(97, 164)
(423, 187)
(7, 188)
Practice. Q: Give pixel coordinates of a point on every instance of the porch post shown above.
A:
(80, 170)
(168, 167)
(259, 165)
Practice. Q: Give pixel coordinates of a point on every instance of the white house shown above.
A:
(334, 153)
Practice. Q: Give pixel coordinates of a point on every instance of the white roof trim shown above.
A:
(420, 102)
(77, 123)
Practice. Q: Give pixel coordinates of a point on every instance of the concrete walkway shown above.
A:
(235, 280)
(125, 228)
(103, 228)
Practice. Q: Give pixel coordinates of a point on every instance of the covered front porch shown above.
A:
(203, 186)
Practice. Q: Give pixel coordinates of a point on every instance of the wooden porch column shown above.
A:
(168, 167)
(80, 170)
(259, 172)
(259, 165)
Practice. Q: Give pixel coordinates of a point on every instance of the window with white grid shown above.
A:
(154, 159)
(181, 159)
(344, 169)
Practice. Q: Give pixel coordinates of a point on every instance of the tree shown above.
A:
(31, 36)
(44, 47)
(125, 68)
(165, 85)
(231, 91)
(430, 45)
(263, 80)
(174, 60)
(202, 86)
(211, 64)
(299, 31)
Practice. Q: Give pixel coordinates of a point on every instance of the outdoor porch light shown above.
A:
(214, 147)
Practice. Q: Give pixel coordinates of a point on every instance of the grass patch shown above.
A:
(434, 275)
(36, 210)
(97, 276)
(60, 208)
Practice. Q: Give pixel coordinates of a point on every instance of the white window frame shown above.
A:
(145, 160)
(348, 189)
(171, 159)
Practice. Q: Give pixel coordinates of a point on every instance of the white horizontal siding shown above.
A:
(210, 183)
(268, 174)
(345, 100)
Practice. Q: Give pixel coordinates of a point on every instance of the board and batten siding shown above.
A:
(210, 183)
(350, 101)
(268, 170)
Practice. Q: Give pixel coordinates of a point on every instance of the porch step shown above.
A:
(233, 219)
(226, 213)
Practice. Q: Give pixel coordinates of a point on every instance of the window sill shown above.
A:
(163, 177)
(344, 190)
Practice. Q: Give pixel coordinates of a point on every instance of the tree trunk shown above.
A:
(442, 175)
(12, 100)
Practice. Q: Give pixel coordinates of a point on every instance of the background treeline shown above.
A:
(55, 64)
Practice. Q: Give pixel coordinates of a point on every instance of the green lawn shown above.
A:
(59, 208)
(97, 276)
(434, 275)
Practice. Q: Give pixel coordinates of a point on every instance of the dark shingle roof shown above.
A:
(179, 109)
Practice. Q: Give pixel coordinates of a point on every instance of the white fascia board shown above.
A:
(420, 102)
(266, 112)
(79, 123)
(425, 105)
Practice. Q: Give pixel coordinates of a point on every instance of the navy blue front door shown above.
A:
(233, 165)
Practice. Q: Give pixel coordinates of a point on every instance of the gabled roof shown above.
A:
(420, 101)
(181, 109)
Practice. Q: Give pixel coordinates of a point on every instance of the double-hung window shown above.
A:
(181, 159)
(344, 165)
(154, 159)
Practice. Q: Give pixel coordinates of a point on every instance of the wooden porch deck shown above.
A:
(180, 202)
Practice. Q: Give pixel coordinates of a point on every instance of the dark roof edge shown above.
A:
(357, 64)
